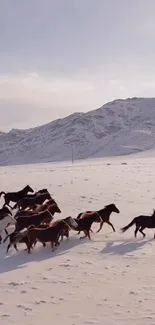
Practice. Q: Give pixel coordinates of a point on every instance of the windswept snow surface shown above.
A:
(109, 280)
(118, 128)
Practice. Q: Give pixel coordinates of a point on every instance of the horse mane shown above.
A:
(108, 205)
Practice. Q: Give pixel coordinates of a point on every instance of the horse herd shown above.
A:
(34, 219)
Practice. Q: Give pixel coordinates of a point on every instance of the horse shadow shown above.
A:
(118, 247)
(21, 259)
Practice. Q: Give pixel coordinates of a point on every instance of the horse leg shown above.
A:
(34, 244)
(80, 231)
(29, 246)
(67, 235)
(7, 203)
(136, 230)
(15, 246)
(8, 248)
(110, 224)
(101, 225)
(52, 246)
(87, 234)
(141, 230)
(57, 244)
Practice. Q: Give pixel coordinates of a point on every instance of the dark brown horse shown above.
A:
(141, 222)
(29, 202)
(104, 214)
(36, 220)
(53, 208)
(50, 234)
(20, 237)
(65, 232)
(40, 208)
(85, 223)
(45, 206)
(15, 196)
(24, 213)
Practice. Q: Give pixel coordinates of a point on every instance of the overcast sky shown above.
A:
(62, 56)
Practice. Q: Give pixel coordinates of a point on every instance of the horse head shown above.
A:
(113, 208)
(71, 222)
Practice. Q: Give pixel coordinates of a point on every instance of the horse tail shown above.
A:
(5, 239)
(129, 225)
(1, 193)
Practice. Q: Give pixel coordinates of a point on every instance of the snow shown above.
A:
(118, 128)
(109, 280)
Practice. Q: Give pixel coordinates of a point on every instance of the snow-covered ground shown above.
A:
(109, 280)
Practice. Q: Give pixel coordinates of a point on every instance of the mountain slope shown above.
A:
(119, 127)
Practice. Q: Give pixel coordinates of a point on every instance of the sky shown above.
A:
(62, 56)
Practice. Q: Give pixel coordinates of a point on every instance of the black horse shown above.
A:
(26, 202)
(15, 196)
(141, 222)
(44, 190)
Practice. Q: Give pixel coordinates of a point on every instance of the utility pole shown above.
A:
(72, 154)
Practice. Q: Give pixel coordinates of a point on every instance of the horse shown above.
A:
(15, 196)
(104, 214)
(39, 209)
(5, 221)
(20, 237)
(24, 213)
(29, 202)
(44, 190)
(85, 223)
(45, 206)
(53, 208)
(65, 232)
(50, 234)
(141, 222)
(36, 220)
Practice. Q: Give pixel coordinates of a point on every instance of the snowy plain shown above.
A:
(109, 280)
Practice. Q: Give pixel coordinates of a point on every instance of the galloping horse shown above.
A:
(141, 222)
(104, 214)
(26, 202)
(15, 196)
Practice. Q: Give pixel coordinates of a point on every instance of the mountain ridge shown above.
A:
(120, 127)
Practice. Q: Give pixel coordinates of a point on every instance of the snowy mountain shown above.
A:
(117, 128)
